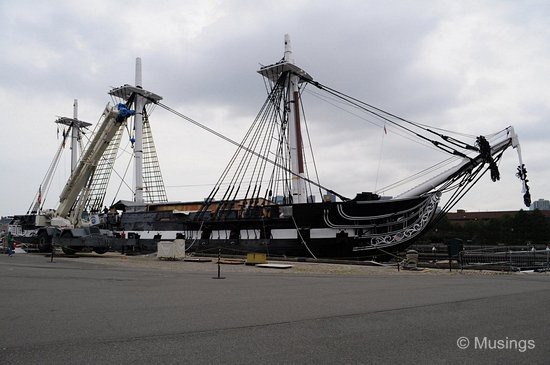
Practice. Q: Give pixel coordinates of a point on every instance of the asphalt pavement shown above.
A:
(74, 311)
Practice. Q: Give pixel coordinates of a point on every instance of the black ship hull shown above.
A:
(343, 230)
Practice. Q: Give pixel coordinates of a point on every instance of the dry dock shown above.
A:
(116, 309)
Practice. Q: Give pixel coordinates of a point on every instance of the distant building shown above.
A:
(4, 222)
(540, 204)
(461, 216)
(329, 197)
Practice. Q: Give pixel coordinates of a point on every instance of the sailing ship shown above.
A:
(264, 199)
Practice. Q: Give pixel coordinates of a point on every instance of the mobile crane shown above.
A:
(65, 226)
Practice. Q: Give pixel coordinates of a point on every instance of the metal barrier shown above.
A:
(503, 258)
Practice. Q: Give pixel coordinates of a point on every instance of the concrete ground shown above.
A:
(114, 309)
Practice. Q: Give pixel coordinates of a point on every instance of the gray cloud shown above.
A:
(469, 66)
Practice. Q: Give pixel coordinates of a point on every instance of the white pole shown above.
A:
(74, 136)
(138, 72)
(138, 145)
(288, 50)
(294, 132)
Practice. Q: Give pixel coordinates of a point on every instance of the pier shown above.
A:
(117, 309)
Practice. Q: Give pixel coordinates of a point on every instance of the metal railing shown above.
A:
(506, 259)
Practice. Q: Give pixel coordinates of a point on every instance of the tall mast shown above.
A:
(295, 131)
(74, 137)
(295, 142)
(75, 125)
(138, 146)
(142, 98)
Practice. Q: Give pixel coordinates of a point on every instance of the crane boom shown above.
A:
(80, 177)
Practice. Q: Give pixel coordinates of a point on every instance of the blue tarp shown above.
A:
(124, 112)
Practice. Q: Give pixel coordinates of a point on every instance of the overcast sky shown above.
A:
(471, 66)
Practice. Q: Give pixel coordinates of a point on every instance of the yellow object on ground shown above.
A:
(253, 258)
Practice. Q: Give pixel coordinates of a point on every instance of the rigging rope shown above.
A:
(379, 160)
(310, 144)
(404, 134)
(448, 145)
(240, 146)
(122, 181)
(302, 238)
(260, 147)
(377, 111)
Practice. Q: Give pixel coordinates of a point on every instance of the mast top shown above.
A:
(72, 122)
(126, 91)
(273, 71)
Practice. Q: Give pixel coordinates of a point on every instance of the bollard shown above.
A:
(219, 255)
